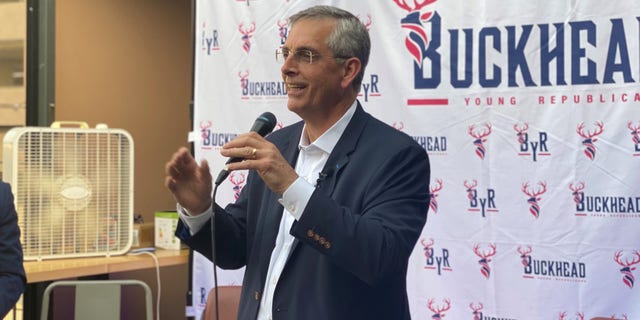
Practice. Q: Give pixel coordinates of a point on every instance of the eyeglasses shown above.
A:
(302, 55)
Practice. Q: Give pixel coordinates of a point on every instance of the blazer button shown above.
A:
(310, 233)
(256, 295)
(327, 245)
(316, 237)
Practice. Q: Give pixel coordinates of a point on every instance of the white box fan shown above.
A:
(73, 188)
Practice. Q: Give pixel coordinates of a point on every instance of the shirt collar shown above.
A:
(329, 138)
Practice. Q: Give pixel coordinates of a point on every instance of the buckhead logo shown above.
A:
(439, 309)
(589, 138)
(534, 207)
(238, 183)
(604, 205)
(543, 269)
(435, 145)
(485, 268)
(480, 139)
(627, 275)
(260, 89)
(247, 34)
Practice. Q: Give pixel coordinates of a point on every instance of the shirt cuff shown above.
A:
(296, 197)
(194, 223)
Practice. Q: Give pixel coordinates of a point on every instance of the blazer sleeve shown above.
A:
(12, 275)
(370, 225)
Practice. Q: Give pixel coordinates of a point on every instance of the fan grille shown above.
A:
(74, 192)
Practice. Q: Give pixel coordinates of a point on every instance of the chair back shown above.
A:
(96, 299)
(228, 303)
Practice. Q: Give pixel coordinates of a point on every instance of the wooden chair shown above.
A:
(228, 303)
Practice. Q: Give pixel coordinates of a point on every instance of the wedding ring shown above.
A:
(253, 153)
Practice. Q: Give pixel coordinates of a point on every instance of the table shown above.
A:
(39, 273)
(51, 270)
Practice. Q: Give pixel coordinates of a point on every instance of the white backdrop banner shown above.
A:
(530, 113)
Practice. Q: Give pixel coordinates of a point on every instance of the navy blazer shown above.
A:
(353, 241)
(12, 277)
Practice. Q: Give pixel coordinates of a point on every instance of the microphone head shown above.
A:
(264, 124)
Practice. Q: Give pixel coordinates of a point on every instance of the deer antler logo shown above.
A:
(477, 315)
(471, 189)
(204, 129)
(367, 23)
(247, 34)
(485, 269)
(244, 82)
(438, 311)
(480, 139)
(627, 275)
(417, 41)
(525, 255)
(427, 247)
(433, 195)
(577, 193)
(589, 138)
(521, 132)
(562, 315)
(534, 207)
(283, 29)
(238, 184)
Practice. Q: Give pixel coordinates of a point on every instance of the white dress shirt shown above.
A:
(312, 158)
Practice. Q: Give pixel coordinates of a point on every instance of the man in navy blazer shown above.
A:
(333, 205)
(12, 277)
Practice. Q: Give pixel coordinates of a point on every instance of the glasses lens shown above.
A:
(281, 55)
(304, 56)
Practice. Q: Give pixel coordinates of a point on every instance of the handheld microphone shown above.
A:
(263, 125)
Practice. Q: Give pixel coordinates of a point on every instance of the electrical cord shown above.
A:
(149, 251)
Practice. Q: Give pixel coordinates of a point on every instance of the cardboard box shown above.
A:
(165, 227)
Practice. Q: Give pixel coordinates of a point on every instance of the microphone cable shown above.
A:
(263, 125)
(213, 247)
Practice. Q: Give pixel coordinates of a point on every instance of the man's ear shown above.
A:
(351, 69)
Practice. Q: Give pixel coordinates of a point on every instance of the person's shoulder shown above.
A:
(4, 187)
(5, 194)
(391, 135)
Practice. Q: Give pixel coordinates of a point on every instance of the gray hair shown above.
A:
(349, 38)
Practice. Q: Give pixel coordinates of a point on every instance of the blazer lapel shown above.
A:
(339, 157)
